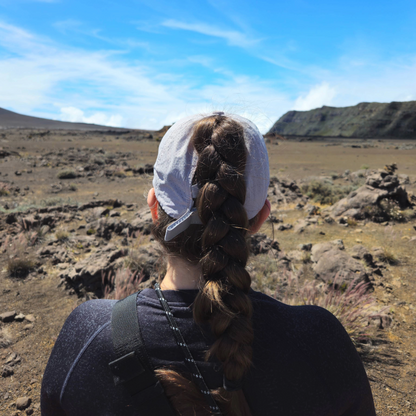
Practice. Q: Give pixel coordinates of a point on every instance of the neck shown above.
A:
(181, 275)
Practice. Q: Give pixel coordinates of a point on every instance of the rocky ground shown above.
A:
(74, 226)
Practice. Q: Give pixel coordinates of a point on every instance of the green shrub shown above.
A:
(91, 231)
(325, 192)
(73, 187)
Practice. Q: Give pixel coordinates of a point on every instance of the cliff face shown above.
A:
(394, 120)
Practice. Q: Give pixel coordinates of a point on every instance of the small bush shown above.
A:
(4, 189)
(120, 173)
(37, 235)
(325, 192)
(351, 222)
(91, 231)
(19, 263)
(62, 236)
(365, 167)
(388, 210)
(387, 256)
(73, 187)
(67, 174)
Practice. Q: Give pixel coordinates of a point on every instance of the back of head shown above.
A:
(218, 243)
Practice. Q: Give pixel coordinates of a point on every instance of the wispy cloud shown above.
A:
(42, 78)
(317, 96)
(232, 37)
(71, 26)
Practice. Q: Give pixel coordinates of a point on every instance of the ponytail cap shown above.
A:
(176, 163)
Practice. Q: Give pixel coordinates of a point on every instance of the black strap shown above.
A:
(189, 359)
(132, 369)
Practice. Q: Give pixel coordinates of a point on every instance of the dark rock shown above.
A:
(19, 318)
(87, 274)
(7, 316)
(7, 371)
(305, 247)
(359, 252)
(312, 209)
(11, 218)
(284, 227)
(23, 402)
(261, 244)
(333, 265)
(285, 191)
(366, 202)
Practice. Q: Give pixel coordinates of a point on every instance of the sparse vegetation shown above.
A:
(388, 210)
(121, 283)
(387, 256)
(91, 231)
(73, 187)
(67, 174)
(4, 189)
(352, 222)
(120, 173)
(62, 236)
(365, 167)
(19, 262)
(354, 306)
(325, 192)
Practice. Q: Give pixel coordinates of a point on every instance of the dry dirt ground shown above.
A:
(391, 364)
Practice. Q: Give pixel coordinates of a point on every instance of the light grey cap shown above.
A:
(175, 166)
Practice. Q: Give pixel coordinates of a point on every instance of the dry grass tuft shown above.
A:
(121, 283)
(67, 174)
(4, 189)
(62, 236)
(387, 256)
(353, 306)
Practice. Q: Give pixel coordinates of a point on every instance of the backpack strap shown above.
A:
(132, 369)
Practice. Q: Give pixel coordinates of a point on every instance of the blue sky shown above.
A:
(146, 63)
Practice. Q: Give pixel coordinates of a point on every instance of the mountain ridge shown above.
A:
(364, 120)
(11, 120)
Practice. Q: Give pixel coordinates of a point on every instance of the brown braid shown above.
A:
(221, 248)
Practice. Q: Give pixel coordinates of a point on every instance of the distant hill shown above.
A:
(377, 120)
(9, 120)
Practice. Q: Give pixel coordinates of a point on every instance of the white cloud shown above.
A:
(317, 96)
(42, 78)
(74, 114)
(233, 37)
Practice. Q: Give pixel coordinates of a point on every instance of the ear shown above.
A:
(153, 204)
(261, 217)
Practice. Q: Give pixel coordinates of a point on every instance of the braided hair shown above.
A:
(219, 245)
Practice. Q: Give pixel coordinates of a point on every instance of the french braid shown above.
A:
(220, 247)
